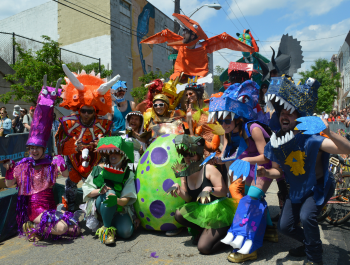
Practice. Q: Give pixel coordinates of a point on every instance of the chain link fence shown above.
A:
(9, 54)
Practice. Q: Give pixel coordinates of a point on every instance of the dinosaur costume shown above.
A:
(82, 90)
(194, 62)
(117, 220)
(35, 194)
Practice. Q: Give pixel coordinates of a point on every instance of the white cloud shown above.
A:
(316, 7)
(9, 7)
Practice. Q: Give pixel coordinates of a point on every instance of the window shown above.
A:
(124, 8)
(130, 62)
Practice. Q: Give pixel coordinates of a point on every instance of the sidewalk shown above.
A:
(171, 250)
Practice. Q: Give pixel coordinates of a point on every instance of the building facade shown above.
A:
(114, 38)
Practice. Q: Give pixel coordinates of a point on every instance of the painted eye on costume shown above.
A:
(243, 99)
(102, 100)
(44, 92)
(53, 93)
(75, 97)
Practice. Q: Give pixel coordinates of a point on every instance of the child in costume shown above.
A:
(304, 157)
(246, 135)
(35, 176)
(110, 191)
(78, 134)
(211, 216)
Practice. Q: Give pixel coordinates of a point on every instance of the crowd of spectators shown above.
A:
(341, 116)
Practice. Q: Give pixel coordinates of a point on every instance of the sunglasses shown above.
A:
(224, 121)
(189, 94)
(158, 105)
(88, 111)
(189, 155)
(2, 113)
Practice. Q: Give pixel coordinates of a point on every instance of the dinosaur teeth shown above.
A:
(277, 99)
(282, 101)
(232, 116)
(225, 114)
(220, 114)
(292, 110)
(272, 96)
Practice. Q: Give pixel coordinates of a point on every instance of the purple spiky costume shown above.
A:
(35, 195)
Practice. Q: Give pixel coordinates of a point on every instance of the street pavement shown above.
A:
(169, 250)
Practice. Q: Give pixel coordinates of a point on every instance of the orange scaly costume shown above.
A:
(194, 62)
(82, 90)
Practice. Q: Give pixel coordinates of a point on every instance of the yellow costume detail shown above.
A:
(296, 161)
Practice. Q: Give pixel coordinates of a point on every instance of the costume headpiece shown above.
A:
(119, 86)
(198, 88)
(188, 144)
(40, 129)
(107, 145)
(288, 61)
(87, 90)
(238, 99)
(190, 24)
(137, 113)
(162, 98)
(234, 68)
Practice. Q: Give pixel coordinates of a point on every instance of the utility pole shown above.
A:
(176, 25)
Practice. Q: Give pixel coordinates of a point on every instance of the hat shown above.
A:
(162, 98)
(16, 108)
(32, 108)
(315, 114)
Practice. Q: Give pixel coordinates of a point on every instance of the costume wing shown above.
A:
(239, 168)
(225, 40)
(163, 36)
(310, 125)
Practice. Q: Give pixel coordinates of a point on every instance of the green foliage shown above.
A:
(216, 78)
(30, 68)
(326, 73)
(139, 93)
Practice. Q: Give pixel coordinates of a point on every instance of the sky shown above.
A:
(326, 21)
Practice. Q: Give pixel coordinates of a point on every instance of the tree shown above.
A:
(216, 78)
(30, 68)
(326, 73)
(139, 93)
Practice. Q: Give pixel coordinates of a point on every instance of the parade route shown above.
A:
(169, 250)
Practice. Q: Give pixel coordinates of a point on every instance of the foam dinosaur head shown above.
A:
(87, 90)
(48, 95)
(238, 99)
(190, 24)
(188, 145)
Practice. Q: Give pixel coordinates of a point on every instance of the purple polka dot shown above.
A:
(157, 208)
(167, 227)
(147, 168)
(141, 214)
(137, 185)
(142, 172)
(165, 135)
(172, 214)
(159, 156)
(144, 157)
(149, 227)
(149, 220)
(173, 140)
(157, 189)
(148, 162)
(167, 184)
(168, 148)
(142, 199)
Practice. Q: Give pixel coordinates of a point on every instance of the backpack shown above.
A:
(19, 127)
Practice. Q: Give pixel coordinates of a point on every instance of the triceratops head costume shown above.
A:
(188, 145)
(288, 60)
(87, 90)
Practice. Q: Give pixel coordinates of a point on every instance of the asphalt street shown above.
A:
(169, 250)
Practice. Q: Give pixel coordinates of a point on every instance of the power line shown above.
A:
(234, 13)
(230, 19)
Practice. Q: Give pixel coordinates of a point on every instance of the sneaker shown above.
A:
(174, 232)
(298, 252)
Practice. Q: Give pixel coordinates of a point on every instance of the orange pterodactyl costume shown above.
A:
(194, 62)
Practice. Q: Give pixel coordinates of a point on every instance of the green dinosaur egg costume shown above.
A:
(154, 176)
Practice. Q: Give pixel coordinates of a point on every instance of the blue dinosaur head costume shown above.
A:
(238, 99)
(119, 86)
(284, 94)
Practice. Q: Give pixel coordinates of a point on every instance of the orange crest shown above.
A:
(74, 99)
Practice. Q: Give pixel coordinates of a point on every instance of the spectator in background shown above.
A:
(55, 123)
(331, 118)
(324, 115)
(27, 119)
(5, 123)
(19, 127)
(340, 117)
(262, 93)
(16, 116)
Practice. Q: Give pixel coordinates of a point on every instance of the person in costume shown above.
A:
(77, 135)
(134, 127)
(35, 176)
(192, 59)
(154, 88)
(121, 107)
(109, 191)
(304, 157)
(212, 215)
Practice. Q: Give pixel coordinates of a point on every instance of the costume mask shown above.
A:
(119, 86)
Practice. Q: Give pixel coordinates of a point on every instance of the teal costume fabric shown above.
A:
(119, 118)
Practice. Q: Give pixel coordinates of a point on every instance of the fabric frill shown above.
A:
(216, 214)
